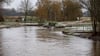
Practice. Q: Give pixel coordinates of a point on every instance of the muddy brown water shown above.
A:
(38, 41)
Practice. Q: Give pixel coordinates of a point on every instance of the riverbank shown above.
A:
(16, 24)
(96, 37)
(88, 35)
(79, 34)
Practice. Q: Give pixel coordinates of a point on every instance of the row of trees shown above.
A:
(59, 11)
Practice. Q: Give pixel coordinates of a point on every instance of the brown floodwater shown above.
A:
(39, 41)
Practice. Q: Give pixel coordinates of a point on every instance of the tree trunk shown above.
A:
(25, 17)
(93, 17)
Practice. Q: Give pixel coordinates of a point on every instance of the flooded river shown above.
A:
(38, 41)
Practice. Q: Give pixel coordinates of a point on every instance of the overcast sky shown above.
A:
(16, 3)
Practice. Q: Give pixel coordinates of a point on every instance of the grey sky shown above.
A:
(16, 3)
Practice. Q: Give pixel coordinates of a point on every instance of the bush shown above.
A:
(52, 23)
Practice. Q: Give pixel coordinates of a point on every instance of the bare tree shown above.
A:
(91, 6)
(52, 10)
(71, 9)
(44, 9)
(25, 7)
(96, 7)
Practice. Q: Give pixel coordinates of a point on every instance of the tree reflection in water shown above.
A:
(1, 53)
(96, 46)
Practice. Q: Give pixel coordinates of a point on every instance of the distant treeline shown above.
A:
(13, 12)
